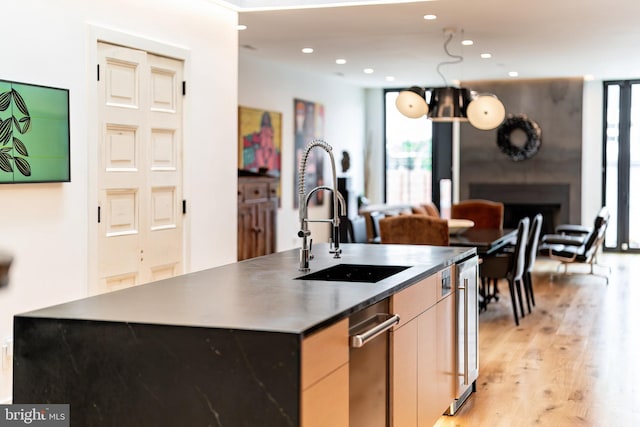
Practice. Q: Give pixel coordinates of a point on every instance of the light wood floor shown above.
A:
(575, 361)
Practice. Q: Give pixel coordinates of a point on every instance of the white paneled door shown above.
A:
(140, 158)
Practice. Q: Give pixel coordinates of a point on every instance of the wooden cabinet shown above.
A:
(325, 377)
(422, 353)
(257, 210)
(445, 356)
(404, 373)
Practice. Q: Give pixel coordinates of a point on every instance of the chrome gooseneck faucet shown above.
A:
(303, 201)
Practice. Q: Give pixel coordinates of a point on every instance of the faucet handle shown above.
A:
(304, 233)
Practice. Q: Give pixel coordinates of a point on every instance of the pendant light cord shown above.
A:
(458, 58)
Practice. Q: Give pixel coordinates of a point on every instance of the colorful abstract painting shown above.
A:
(260, 141)
(309, 125)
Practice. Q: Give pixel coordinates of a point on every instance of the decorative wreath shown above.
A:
(529, 127)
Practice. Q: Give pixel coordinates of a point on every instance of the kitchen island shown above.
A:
(221, 347)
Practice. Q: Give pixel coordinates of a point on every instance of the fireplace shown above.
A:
(550, 214)
(520, 200)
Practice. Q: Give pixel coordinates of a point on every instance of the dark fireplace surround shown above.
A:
(520, 200)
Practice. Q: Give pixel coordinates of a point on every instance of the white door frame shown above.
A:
(95, 34)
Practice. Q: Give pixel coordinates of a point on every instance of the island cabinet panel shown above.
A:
(404, 375)
(325, 377)
(131, 375)
(430, 405)
(411, 302)
(446, 351)
(421, 354)
(257, 209)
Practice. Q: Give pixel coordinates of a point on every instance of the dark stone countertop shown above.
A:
(261, 294)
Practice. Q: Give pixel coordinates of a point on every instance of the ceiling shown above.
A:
(536, 38)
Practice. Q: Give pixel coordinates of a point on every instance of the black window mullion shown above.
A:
(624, 163)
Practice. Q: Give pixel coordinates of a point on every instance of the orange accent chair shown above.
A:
(483, 213)
(426, 209)
(414, 230)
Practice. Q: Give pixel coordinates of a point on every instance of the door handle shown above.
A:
(360, 339)
(465, 288)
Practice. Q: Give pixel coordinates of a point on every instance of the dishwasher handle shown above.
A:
(361, 338)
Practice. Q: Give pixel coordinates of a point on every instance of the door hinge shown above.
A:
(98, 214)
(98, 69)
(184, 87)
(184, 206)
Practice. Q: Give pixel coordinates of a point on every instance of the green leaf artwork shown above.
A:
(34, 133)
(8, 127)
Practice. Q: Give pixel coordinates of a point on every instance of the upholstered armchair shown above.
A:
(578, 244)
(483, 213)
(417, 229)
(426, 209)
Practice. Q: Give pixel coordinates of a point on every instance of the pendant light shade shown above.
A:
(485, 112)
(411, 102)
(449, 104)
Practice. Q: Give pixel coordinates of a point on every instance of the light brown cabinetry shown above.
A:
(257, 210)
(325, 377)
(404, 374)
(445, 356)
(422, 352)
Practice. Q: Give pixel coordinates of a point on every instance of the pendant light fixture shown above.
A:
(452, 104)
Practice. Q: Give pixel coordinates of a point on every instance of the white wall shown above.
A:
(375, 150)
(268, 86)
(47, 226)
(592, 108)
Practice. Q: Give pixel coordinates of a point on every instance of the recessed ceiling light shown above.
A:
(368, 71)
(341, 61)
(430, 17)
(589, 77)
(241, 27)
(513, 74)
(485, 55)
(307, 50)
(390, 78)
(467, 42)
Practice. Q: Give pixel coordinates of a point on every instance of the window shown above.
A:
(622, 164)
(408, 155)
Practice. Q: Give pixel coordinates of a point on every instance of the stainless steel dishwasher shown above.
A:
(369, 365)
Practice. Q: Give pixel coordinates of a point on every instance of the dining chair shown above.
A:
(510, 266)
(375, 218)
(357, 230)
(483, 213)
(414, 230)
(532, 252)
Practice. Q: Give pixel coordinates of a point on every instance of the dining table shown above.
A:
(487, 241)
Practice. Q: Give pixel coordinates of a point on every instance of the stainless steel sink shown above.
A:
(354, 273)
